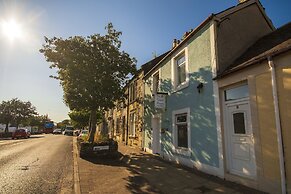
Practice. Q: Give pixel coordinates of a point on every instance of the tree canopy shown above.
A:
(92, 70)
(63, 123)
(37, 120)
(15, 111)
(80, 119)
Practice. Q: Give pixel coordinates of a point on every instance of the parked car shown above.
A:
(21, 133)
(69, 131)
(57, 131)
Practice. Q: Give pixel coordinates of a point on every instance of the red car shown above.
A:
(21, 133)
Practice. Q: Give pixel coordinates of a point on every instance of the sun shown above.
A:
(11, 29)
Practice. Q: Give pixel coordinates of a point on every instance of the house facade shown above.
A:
(125, 120)
(255, 114)
(185, 129)
(195, 125)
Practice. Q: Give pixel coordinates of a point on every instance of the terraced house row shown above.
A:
(219, 100)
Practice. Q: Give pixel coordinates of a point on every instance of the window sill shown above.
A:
(132, 137)
(182, 151)
(181, 87)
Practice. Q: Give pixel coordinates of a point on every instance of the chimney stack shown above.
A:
(175, 43)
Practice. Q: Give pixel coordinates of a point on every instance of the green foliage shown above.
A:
(37, 120)
(63, 123)
(15, 111)
(80, 118)
(92, 70)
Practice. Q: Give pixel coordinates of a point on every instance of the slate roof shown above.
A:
(149, 65)
(271, 44)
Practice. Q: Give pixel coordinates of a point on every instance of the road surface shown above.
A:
(40, 164)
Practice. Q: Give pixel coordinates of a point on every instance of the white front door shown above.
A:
(156, 142)
(239, 138)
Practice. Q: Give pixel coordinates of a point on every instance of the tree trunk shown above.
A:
(93, 122)
(90, 122)
(6, 127)
(104, 130)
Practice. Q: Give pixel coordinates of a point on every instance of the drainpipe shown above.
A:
(127, 115)
(278, 125)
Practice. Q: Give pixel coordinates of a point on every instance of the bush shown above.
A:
(5, 135)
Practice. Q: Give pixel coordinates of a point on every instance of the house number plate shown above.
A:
(98, 148)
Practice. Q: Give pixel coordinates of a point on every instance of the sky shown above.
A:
(148, 27)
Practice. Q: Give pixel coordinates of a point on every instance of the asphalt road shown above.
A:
(40, 164)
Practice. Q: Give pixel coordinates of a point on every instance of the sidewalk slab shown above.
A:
(136, 171)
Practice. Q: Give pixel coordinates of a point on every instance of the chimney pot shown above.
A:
(174, 43)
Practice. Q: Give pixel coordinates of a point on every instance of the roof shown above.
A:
(271, 44)
(219, 15)
(149, 65)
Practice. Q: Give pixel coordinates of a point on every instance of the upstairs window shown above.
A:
(156, 83)
(180, 73)
(132, 91)
(181, 69)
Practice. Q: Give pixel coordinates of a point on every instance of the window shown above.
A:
(132, 91)
(236, 93)
(118, 125)
(180, 75)
(132, 124)
(156, 83)
(239, 123)
(181, 69)
(182, 128)
(181, 131)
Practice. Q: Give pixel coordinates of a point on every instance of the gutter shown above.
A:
(278, 125)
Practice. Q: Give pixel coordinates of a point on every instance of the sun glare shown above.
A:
(11, 29)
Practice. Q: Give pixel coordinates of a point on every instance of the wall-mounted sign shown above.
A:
(160, 101)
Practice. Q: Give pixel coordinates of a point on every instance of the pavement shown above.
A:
(135, 171)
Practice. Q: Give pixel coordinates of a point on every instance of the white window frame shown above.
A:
(175, 86)
(181, 150)
(154, 88)
(132, 124)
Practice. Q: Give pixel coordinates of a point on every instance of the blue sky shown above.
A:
(148, 27)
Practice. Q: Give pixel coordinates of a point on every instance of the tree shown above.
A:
(37, 120)
(22, 111)
(80, 119)
(64, 123)
(6, 113)
(15, 111)
(92, 70)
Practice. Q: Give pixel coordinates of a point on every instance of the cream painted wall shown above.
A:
(263, 121)
(283, 72)
(267, 127)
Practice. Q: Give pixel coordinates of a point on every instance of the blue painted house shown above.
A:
(182, 108)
